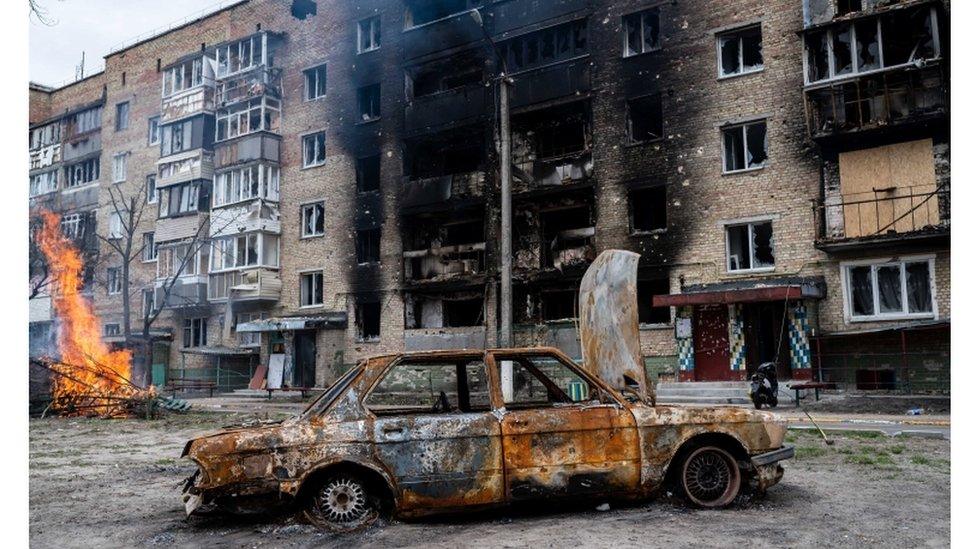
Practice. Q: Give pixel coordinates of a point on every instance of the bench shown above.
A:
(191, 385)
(303, 390)
(815, 385)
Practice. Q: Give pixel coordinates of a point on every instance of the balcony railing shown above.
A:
(562, 170)
(902, 213)
(444, 262)
(876, 100)
(248, 285)
(188, 103)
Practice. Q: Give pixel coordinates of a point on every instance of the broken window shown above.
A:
(44, 136)
(83, 122)
(894, 289)
(112, 330)
(149, 250)
(311, 289)
(240, 56)
(246, 183)
(648, 209)
(73, 226)
(750, 246)
(368, 100)
(314, 82)
(313, 150)
(257, 114)
(148, 302)
(567, 235)
(122, 116)
(452, 154)
(43, 183)
(313, 219)
(119, 165)
(424, 387)
(420, 12)
(180, 199)
(740, 51)
(463, 312)
(899, 37)
(82, 172)
(745, 146)
(113, 276)
(367, 319)
(645, 118)
(550, 133)
(543, 381)
(194, 332)
(368, 245)
(453, 72)
(642, 32)
(178, 137)
(848, 6)
(183, 76)
(368, 32)
(153, 137)
(179, 260)
(559, 304)
(368, 173)
(115, 227)
(545, 46)
(647, 313)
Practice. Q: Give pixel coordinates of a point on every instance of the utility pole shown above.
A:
(505, 143)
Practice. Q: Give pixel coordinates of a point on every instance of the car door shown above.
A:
(558, 445)
(434, 430)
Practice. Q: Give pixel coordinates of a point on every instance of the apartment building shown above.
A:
(320, 180)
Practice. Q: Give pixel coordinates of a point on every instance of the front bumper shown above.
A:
(768, 458)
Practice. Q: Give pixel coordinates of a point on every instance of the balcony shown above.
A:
(450, 107)
(565, 79)
(183, 167)
(189, 292)
(906, 214)
(248, 285)
(199, 99)
(541, 173)
(248, 85)
(444, 262)
(45, 156)
(256, 146)
(434, 190)
(449, 32)
(509, 16)
(896, 97)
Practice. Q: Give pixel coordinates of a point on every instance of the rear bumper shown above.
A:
(786, 452)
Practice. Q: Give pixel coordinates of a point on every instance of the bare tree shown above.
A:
(41, 13)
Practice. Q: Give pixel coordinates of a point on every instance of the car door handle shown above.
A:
(389, 430)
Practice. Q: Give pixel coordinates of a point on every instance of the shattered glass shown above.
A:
(756, 145)
(842, 51)
(868, 52)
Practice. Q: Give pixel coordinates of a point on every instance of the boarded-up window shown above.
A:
(889, 189)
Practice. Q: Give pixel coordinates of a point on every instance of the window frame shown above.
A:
(303, 207)
(191, 340)
(88, 166)
(45, 184)
(301, 288)
(113, 280)
(120, 167)
(150, 253)
(874, 264)
(153, 137)
(375, 32)
(116, 226)
(123, 110)
(738, 32)
(314, 135)
(360, 103)
(313, 72)
(640, 14)
(631, 140)
(744, 125)
(152, 193)
(752, 252)
(267, 177)
(378, 243)
(855, 73)
(115, 331)
(632, 206)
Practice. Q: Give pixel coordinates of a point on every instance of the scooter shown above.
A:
(763, 386)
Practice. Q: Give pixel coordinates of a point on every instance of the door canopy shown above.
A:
(609, 334)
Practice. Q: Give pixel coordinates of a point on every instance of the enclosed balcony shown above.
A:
(447, 92)
(188, 88)
(434, 26)
(551, 147)
(444, 246)
(248, 85)
(197, 100)
(259, 284)
(183, 167)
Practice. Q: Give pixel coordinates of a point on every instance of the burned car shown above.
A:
(428, 432)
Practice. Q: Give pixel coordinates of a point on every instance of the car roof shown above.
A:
(466, 353)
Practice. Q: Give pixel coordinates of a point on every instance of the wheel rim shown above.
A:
(710, 477)
(343, 502)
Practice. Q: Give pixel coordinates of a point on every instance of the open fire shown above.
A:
(88, 378)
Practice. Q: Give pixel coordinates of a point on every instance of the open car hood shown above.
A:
(609, 334)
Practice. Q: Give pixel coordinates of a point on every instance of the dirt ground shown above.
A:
(114, 484)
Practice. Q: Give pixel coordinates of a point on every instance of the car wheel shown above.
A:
(342, 504)
(710, 477)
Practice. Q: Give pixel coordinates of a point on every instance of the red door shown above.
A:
(711, 338)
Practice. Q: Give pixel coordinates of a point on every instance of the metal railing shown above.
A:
(875, 100)
(904, 211)
(226, 378)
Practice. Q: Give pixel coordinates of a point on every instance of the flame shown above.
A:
(89, 378)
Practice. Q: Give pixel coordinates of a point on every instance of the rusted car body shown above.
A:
(429, 432)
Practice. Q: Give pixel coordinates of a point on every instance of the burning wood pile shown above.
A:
(88, 379)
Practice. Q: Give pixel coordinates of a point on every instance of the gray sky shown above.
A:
(94, 26)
